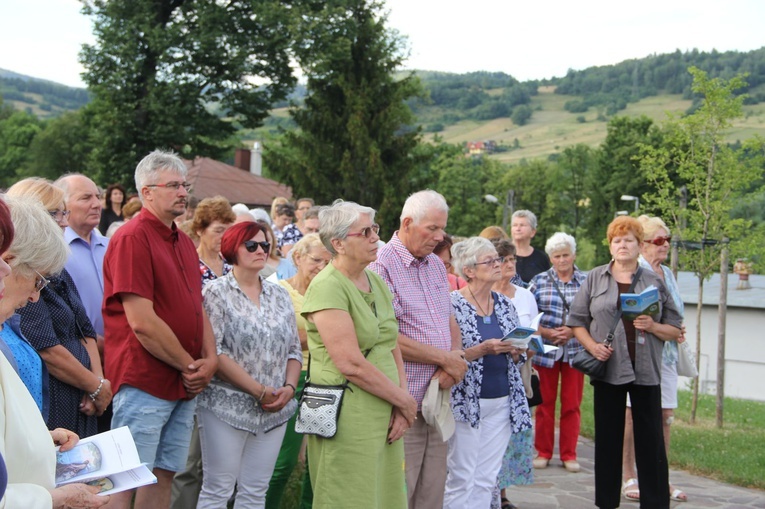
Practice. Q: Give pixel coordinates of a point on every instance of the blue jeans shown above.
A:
(161, 428)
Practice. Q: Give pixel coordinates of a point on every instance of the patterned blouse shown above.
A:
(260, 339)
(207, 273)
(465, 395)
(290, 235)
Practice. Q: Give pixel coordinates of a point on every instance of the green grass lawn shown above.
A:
(733, 454)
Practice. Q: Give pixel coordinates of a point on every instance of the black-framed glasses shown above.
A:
(659, 241)
(493, 261)
(367, 232)
(40, 282)
(173, 186)
(252, 245)
(59, 215)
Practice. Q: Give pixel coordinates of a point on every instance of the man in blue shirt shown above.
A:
(86, 262)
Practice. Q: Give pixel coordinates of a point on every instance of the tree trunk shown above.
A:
(722, 312)
(697, 380)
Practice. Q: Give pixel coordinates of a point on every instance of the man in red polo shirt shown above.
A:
(159, 348)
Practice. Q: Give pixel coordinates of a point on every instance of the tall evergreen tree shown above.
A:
(159, 68)
(356, 137)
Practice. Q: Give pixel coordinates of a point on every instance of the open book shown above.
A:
(536, 344)
(520, 336)
(643, 303)
(108, 460)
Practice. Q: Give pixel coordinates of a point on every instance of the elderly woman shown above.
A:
(554, 291)
(310, 257)
(212, 218)
(352, 335)
(36, 246)
(653, 253)
(529, 261)
(517, 466)
(57, 326)
(633, 366)
(489, 404)
(242, 414)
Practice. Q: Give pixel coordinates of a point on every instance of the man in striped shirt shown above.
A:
(429, 337)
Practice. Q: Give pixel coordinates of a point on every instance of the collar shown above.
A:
(408, 258)
(170, 234)
(96, 239)
(265, 286)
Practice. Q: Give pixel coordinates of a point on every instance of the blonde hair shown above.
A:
(493, 232)
(651, 225)
(43, 190)
(279, 200)
(304, 245)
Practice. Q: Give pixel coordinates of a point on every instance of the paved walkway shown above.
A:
(557, 488)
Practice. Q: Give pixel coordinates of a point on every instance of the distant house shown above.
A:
(745, 342)
(238, 184)
(477, 148)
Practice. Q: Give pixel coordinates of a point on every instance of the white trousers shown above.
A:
(232, 457)
(475, 456)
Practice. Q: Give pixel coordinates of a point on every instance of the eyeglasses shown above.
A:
(173, 186)
(59, 215)
(493, 261)
(40, 282)
(317, 261)
(367, 232)
(659, 241)
(252, 245)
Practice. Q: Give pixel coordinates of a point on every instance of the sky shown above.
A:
(528, 40)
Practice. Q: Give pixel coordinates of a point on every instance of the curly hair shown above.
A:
(212, 209)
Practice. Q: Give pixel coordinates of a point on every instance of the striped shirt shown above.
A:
(549, 302)
(421, 301)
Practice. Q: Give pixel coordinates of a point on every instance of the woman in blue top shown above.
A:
(490, 403)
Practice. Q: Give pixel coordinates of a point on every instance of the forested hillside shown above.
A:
(41, 97)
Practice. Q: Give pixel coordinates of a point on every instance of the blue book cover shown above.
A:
(643, 303)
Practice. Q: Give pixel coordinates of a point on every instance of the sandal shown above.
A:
(506, 504)
(678, 496)
(630, 490)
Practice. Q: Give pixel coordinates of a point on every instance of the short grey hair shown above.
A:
(157, 162)
(260, 215)
(559, 241)
(311, 213)
(467, 252)
(38, 244)
(336, 220)
(420, 203)
(63, 183)
(528, 215)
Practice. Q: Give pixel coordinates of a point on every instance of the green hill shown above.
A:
(42, 98)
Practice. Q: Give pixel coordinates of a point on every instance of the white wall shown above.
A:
(744, 351)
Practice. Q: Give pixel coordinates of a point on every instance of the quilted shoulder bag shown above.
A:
(319, 407)
(584, 361)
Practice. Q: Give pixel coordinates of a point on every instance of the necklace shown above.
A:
(486, 317)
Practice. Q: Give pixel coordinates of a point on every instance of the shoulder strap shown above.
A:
(555, 285)
(610, 337)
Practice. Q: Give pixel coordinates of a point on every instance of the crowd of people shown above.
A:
(199, 330)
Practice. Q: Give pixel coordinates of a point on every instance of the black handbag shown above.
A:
(584, 361)
(536, 398)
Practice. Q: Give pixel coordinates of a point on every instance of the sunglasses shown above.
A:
(366, 232)
(493, 261)
(252, 245)
(40, 282)
(659, 241)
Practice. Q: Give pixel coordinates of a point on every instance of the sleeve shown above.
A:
(382, 271)
(37, 325)
(325, 293)
(579, 315)
(215, 307)
(286, 307)
(78, 308)
(130, 266)
(669, 312)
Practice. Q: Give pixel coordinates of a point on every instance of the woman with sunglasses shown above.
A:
(58, 327)
(242, 414)
(353, 337)
(654, 251)
(489, 404)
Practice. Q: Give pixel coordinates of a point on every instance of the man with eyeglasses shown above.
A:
(429, 338)
(159, 348)
(88, 246)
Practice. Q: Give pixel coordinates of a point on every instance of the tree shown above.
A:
(17, 131)
(180, 74)
(521, 115)
(714, 175)
(356, 135)
(62, 146)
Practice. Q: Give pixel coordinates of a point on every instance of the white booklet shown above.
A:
(520, 336)
(108, 460)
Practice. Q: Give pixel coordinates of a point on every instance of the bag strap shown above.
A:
(555, 285)
(610, 337)
(308, 372)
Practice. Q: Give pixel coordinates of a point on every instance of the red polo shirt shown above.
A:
(158, 263)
